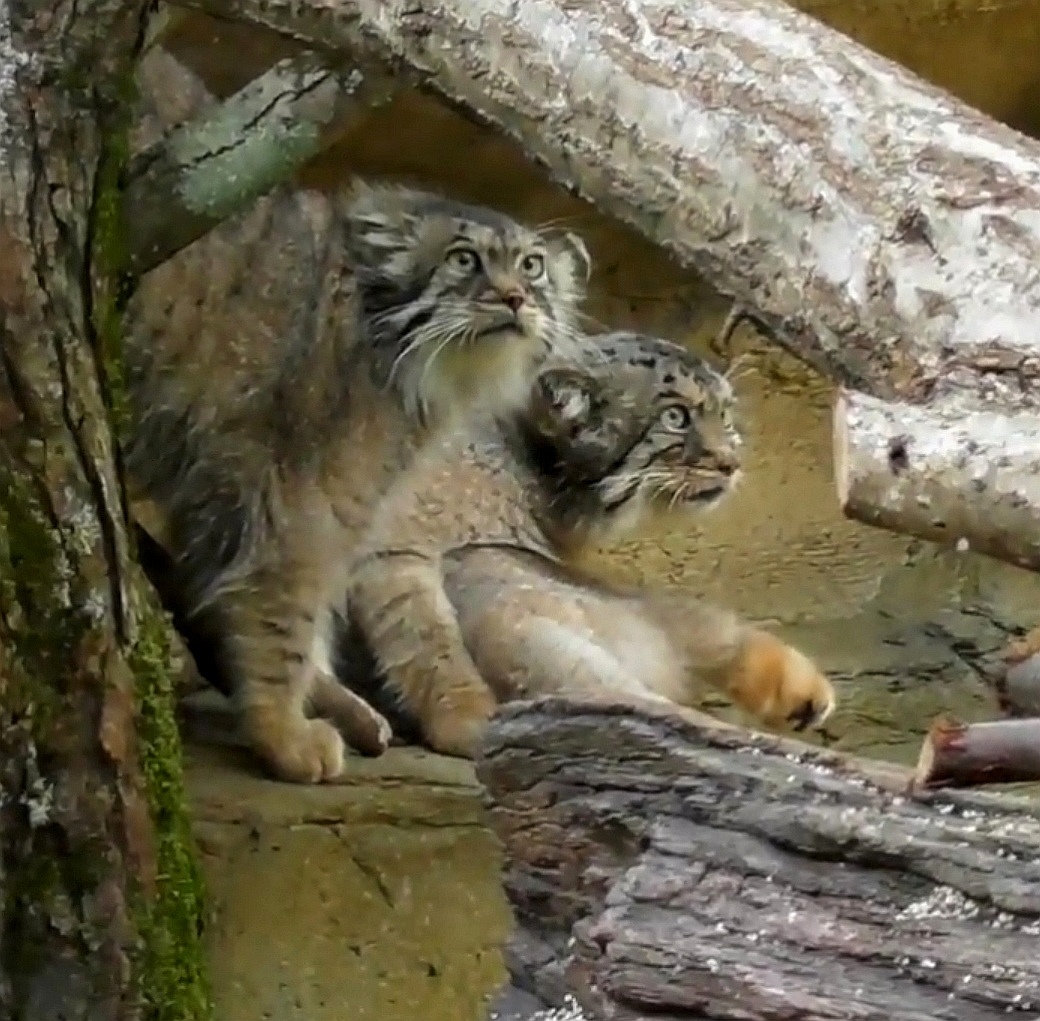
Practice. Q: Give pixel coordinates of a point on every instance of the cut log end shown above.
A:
(946, 472)
(956, 754)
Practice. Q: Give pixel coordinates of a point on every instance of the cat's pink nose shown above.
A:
(513, 299)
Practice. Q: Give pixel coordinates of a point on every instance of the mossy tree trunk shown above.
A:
(99, 897)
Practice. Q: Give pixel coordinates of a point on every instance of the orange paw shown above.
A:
(781, 686)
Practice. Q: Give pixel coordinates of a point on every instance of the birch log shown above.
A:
(659, 868)
(946, 471)
(887, 232)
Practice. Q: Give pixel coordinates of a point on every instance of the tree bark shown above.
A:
(661, 868)
(100, 901)
(945, 471)
(970, 755)
(206, 170)
(875, 225)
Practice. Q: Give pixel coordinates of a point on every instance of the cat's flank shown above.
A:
(463, 590)
(265, 429)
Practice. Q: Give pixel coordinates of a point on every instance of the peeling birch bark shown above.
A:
(943, 471)
(659, 868)
(885, 230)
(206, 170)
(956, 754)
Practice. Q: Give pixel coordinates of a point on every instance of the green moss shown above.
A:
(173, 978)
(170, 967)
(44, 632)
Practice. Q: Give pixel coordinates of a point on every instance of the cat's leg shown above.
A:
(410, 626)
(366, 729)
(535, 641)
(275, 618)
(771, 680)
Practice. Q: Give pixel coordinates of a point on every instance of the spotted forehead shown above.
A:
(669, 367)
(486, 229)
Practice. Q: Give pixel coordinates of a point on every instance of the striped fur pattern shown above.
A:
(283, 371)
(465, 590)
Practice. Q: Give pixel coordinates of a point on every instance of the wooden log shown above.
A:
(955, 754)
(943, 471)
(206, 170)
(885, 230)
(662, 868)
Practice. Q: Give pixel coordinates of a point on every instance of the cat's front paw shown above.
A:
(780, 685)
(295, 748)
(366, 729)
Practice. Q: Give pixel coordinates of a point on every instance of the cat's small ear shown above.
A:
(562, 399)
(571, 247)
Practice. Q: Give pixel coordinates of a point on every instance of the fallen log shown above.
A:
(943, 471)
(955, 754)
(206, 170)
(660, 867)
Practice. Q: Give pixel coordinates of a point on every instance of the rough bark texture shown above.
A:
(956, 754)
(204, 171)
(944, 471)
(100, 903)
(662, 869)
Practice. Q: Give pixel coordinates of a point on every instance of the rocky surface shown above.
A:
(377, 899)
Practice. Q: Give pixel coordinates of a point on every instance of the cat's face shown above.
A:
(461, 302)
(641, 424)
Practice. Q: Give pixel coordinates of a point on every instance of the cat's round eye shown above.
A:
(676, 417)
(464, 259)
(532, 266)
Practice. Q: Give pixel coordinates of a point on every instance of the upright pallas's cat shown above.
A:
(266, 448)
(462, 590)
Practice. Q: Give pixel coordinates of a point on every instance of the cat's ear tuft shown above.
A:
(570, 250)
